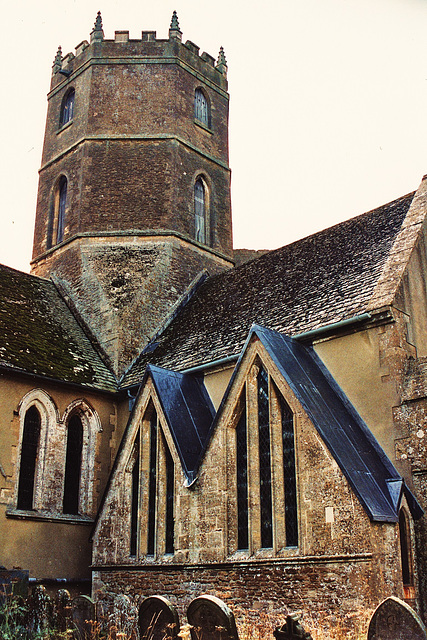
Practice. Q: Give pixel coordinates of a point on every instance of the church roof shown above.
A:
(39, 335)
(324, 278)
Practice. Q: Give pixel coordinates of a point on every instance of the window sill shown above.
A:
(20, 514)
(200, 124)
(64, 126)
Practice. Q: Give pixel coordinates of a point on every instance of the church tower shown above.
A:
(134, 189)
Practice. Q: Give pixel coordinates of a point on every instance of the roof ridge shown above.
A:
(401, 250)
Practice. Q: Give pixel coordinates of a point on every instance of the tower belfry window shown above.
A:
(201, 107)
(67, 108)
(200, 211)
(62, 201)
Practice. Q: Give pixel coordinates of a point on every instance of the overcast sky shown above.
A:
(328, 110)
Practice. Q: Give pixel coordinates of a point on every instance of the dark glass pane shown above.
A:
(169, 548)
(201, 111)
(242, 483)
(404, 549)
(264, 461)
(73, 464)
(61, 209)
(152, 485)
(29, 451)
(199, 211)
(67, 112)
(134, 501)
(291, 515)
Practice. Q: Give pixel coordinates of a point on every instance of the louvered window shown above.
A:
(29, 452)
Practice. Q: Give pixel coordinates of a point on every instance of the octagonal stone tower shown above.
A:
(134, 189)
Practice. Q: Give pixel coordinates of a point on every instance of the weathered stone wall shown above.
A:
(45, 541)
(343, 563)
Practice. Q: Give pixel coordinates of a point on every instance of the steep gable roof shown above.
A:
(39, 334)
(324, 278)
(366, 466)
(189, 413)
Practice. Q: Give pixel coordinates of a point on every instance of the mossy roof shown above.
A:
(324, 278)
(39, 334)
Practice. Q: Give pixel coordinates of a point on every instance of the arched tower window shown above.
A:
(61, 204)
(405, 554)
(200, 210)
(29, 453)
(201, 107)
(73, 465)
(67, 108)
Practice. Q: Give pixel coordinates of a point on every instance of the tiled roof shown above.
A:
(324, 278)
(39, 334)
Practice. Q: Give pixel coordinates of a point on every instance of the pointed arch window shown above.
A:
(29, 453)
(200, 210)
(67, 108)
(406, 555)
(152, 482)
(61, 205)
(264, 460)
(170, 494)
(134, 500)
(201, 108)
(242, 481)
(73, 465)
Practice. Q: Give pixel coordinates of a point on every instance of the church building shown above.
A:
(179, 418)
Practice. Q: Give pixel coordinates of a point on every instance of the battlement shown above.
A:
(146, 50)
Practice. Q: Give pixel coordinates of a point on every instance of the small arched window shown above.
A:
(29, 453)
(73, 465)
(201, 108)
(200, 210)
(67, 108)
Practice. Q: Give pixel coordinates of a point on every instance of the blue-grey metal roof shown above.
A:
(189, 412)
(369, 471)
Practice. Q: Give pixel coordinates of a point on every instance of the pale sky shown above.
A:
(328, 109)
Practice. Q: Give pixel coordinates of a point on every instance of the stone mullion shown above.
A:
(161, 494)
(254, 498)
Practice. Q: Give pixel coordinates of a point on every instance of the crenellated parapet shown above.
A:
(147, 49)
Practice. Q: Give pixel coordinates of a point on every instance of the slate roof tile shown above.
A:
(324, 278)
(40, 335)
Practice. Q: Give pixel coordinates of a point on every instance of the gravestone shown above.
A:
(83, 617)
(157, 619)
(395, 620)
(40, 607)
(211, 619)
(291, 630)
